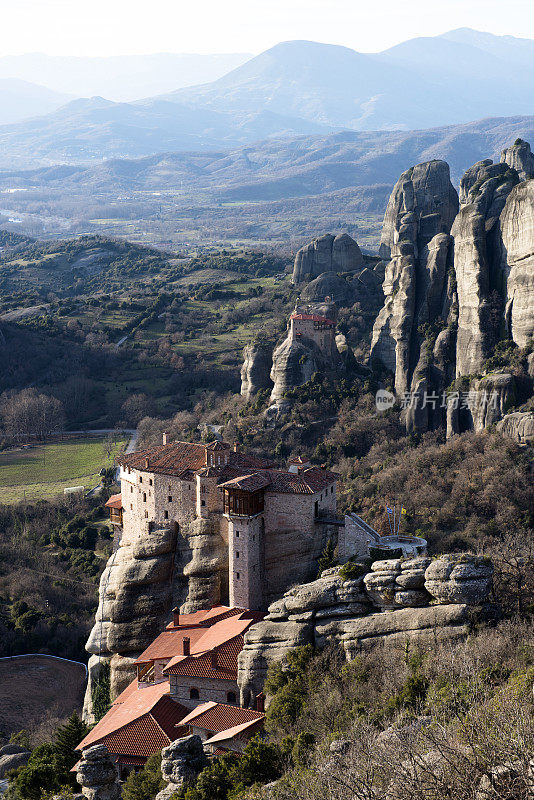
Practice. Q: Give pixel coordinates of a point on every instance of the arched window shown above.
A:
(194, 694)
(231, 698)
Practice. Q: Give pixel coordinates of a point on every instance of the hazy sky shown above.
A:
(107, 27)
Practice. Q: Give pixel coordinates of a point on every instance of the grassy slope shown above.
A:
(44, 470)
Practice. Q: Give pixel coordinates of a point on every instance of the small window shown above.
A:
(194, 694)
(140, 479)
(254, 537)
(150, 481)
(332, 490)
(131, 488)
(144, 497)
(237, 534)
(146, 514)
(166, 514)
(231, 698)
(169, 499)
(238, 575)
(237, 553)
(202, 502)
(131, 506)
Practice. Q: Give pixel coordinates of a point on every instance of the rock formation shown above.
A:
(416, 238)
(328, 284)
(477, 253)
(256, 369)
(98, 775)
(339, 607)
(309, 347)
(181, 763)
(519, 157)
(486, 402)
(12, 756)
(518, 426)
(517, 262)
(326, 254)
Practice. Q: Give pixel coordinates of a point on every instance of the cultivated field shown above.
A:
(42, 471)
(33, 688)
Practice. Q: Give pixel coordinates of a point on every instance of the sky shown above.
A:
(119, 27)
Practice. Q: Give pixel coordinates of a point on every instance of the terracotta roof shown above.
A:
(307, 481)
(219, 717)
(229, 733)
(313, 318)
(202, 637)
(140, 722)
(226, 637)
(207, 617)
(115, 501)
(180, 458)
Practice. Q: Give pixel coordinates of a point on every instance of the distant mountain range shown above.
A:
(119, 78)
(20, 99)
(276, 169)
(295, 88)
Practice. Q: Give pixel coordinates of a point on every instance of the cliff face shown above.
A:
(416, 239)
(457, 282)
(256, 369)
(326, 254)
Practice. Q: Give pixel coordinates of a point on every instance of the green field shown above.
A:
(42, 471)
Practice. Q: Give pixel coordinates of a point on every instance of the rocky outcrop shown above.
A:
(151, 571)
(97, 774)
(416, 237)
(326, 254)
(477, 254)
(398, 584)
(181, 763)
(329, 285)
(464, 579)
(341, 606)
(423, 203)
(518, 426)
(485, 403)
(12, 756)
(256, 369)
(519, 157)
(517, 263)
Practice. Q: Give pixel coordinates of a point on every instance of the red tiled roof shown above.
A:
(219, 717)
(178, 458)
(207, 617)
(140, 722)
(223, 736)
(226, 637)
(115, 501)
(168, 644)
(307, 481)
(313, 318)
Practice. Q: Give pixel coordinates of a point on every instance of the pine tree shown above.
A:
(327, 558)
(68, 737)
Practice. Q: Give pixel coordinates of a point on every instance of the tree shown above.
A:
(144, 785)
(327, 558)
(68, 737)
(138, 406)
(29, 414)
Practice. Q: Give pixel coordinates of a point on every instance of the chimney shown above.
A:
(147, 463)
(165, 438)
(186, 646)
(260, 702)
(214, 659)
(176, 617)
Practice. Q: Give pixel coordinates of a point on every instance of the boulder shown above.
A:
(255, 372)
(181, 763)
(396, 583)
(9, 761)
(98, 775)
(518, 426)
(464, 579)
(326, 254)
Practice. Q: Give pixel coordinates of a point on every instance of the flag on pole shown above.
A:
(403, 510)
(389, 510)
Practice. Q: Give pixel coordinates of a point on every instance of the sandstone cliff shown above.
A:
(416, 238)
(425, 601)
(256, 369)
(519, 157)
(327, 254)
